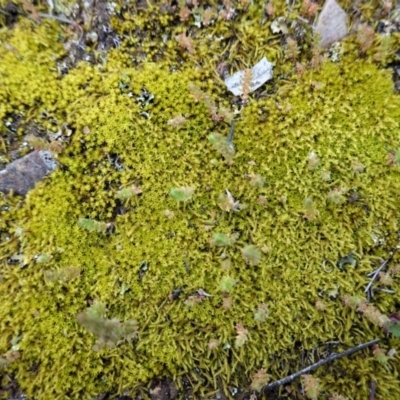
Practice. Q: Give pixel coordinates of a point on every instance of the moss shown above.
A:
(28, 68)
(345, 112)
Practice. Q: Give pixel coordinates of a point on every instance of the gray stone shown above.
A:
(21, 175)
(331, 24)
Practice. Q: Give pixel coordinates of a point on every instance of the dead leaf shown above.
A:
(260, 73)
(31, 9)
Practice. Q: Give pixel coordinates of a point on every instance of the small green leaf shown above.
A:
(228, 203)
(257, 181)
(92, 225)
(261, 313)
(309, 209)
(242, 335)
(260, 379)
(182, 194)
(127, 192)
(251, 254)
(313, 160)
(393, 327)
(222, 146)
(221, 239)
(44, 258)
(123, 288)
(336, 196)
(226, 284)
(333, 292)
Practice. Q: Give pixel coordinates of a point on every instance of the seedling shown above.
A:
(128, 192)
(251, 254)
(380, 355)
(261, 313)
(182, 194)
(313, 160)
(178, 121)
(393, 325)
(336, 196)
(44, 258)
(222, 146)
(221, 239)
(242, 335)
(312, 386)
(309, 210)
(92, 225)
(260, 379)
(256, 180)
(227, 202)
(226, 284)
(109, 332)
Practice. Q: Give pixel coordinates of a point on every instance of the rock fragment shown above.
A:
(21, 175)
(331, 23)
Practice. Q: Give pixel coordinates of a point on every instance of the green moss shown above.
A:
(346, 113)
(28, 73)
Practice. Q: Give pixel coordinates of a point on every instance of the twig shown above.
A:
(372, 391)
(332, 357)
(306, 21)
(386, 290)
(230, 136)
(372, 273)
(368, 290)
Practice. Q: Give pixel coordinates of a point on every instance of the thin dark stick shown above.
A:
(372, 390)
(368, 289)
(230, 136)
(332, 357)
